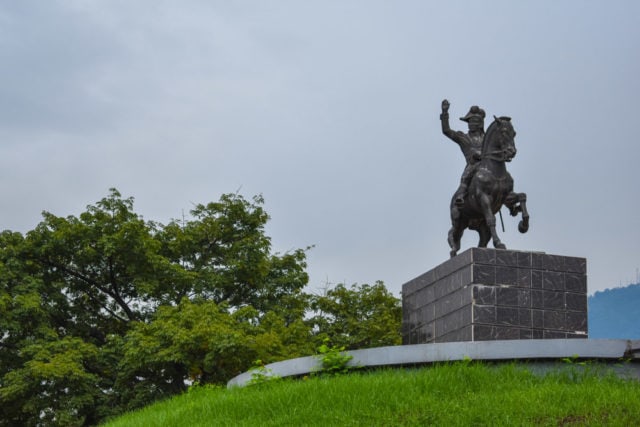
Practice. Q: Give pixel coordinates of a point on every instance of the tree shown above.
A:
(55, 385)
(114, 268)
(201, 342)
(75, 292)
(362, 316)
(105, 261)
(47, 377)
(106, 312)
(227, 256)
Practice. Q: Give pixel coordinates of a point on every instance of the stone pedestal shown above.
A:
(488, 294)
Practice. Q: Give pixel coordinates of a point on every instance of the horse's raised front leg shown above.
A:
(490, 219)
(517, 202)
(523, 225)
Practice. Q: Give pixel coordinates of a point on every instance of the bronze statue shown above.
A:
(470, 144)
(485, 184)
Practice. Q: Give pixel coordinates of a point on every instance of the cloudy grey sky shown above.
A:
(330, 110)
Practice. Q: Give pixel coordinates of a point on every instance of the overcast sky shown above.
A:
(330, 110)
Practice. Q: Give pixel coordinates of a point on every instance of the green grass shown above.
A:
(450, 394)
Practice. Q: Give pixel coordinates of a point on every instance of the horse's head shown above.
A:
(499, 141)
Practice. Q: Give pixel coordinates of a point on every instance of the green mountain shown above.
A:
(615, 313)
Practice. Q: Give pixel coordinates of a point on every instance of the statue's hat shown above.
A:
(474, 111)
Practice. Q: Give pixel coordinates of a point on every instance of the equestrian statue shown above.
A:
(485, 185)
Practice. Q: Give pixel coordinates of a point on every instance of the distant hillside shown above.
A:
(615, 313)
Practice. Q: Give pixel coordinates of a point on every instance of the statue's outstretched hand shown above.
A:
(445, 106)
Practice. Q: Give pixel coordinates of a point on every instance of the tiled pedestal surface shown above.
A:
(490, 294)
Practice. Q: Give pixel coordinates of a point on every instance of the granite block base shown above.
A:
(491, 294)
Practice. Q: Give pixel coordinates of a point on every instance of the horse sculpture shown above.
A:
(491, 186)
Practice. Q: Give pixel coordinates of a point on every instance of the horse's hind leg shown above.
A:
(485, 235)
(490, 219)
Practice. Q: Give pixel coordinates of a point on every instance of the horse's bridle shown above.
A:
(497, 155)
(492, 155)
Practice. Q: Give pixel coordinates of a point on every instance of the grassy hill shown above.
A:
(464, 393)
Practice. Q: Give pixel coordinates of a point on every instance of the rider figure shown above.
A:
(470, 143)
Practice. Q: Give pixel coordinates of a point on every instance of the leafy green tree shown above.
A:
(197, 341)
(113, 267)
(362, 316)
(105, 261)
(54, 386)
(105, 312)
(78, 293)
(226, 255)
(201, 342)
(22, 314)
(48, 376)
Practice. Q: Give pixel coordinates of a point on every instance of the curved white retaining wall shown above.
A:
(476, 350)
